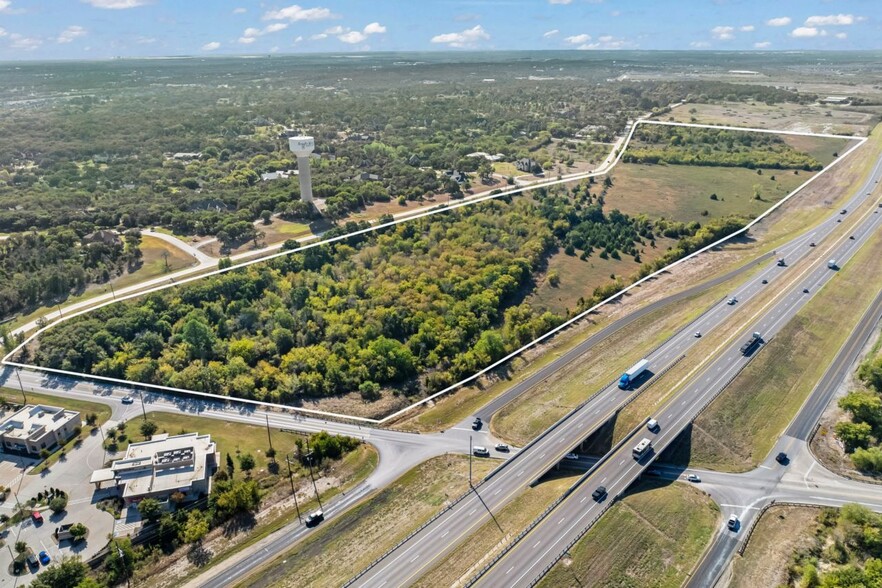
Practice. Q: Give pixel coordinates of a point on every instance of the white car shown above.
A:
(732, 301)
(128, 400)
(733, 522)
(698, 334)
(571, 456)
(693, 478)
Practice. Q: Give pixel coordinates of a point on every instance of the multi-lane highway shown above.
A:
(543, 546)
(414, 557)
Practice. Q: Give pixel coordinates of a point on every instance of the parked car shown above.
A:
(693, 478)
(571, 456)
(44, 558)
(128, 400)
(37, 517)
(502, 447)
(599, 493)
(32, 561)
(314, 518)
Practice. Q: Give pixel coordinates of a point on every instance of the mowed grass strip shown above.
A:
(341, 548)
(652, 538)
(533, 412)
(781, 532)
(490, 538)
(759, 404)
(84, 407)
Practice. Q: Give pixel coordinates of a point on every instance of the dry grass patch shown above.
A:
(652, 538)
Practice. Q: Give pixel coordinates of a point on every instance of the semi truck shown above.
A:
(632, 374)
(831, 264)
(754, 340)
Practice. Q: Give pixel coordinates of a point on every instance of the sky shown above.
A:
(101, 29)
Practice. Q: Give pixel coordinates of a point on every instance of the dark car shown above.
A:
(765, 281)
(843, 211)
(805, 290)
(32, 561)
(599, 493)
(477, 424)
(314, 518)
(782, 458)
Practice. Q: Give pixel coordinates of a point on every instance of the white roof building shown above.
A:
(36, 427)
(162, 466)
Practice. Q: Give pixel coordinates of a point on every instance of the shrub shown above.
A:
(58, 504)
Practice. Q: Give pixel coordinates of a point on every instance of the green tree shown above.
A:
(148, 428)
(78, 531)
(869, 460)
(200, 337)
(68, 573)
(864, 407)
(150, 509)
(120, 560)
(58, 504)
(231, 466)
(238, 496)
(246, 462)
(196, 527)
(21, 547)
(854, 435)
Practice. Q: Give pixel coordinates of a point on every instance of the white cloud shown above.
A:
(296, 13)
(352, 37)
(318, 37)
(746, 28)
(609, 42)
(25, 43)
(781, 21)
(337, 30)
(841, 35)
(578, 39)
(550, 33)
(247, 40)
(762, 45)
(3, 32)
(559, 1)
(275, 27)
(615, 13)
(374, 28)
(145, 40)
(298, 39)
(214, 45)
(723, 33)
(4, 6)
(274, 49)
(831, 20)
(466, 38)
(71, 33)
(240, 10)
(699, 44)
(116, 4)
(805, 32)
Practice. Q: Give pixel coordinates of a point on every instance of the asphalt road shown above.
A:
(407, 563)
(530, 558)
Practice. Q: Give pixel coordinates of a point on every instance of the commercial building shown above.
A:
(162, 466)
(36, 427)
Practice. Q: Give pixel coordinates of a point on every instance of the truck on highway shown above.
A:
(781, 262)
(754, 340)
(641, 448)
(831, 264)
(633, 373)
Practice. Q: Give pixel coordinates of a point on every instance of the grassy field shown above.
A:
(486, 541)
(683, 192)
(282, 230)
(531, 413)
(653, 537)
(823, 149)
(327, 557)
(780, 532)
(785, 117)
(755, 409)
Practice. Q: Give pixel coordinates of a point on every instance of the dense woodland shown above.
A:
(98, 146)
(861, 435)
(414, 308)
(711, 147)
(43, 268)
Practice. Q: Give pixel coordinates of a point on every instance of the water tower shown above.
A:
(302, 147)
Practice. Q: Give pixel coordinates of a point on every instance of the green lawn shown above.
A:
(683, 192)
(653, 538)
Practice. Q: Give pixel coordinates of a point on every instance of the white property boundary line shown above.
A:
(437, 210)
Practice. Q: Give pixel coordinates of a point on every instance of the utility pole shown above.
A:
(143, 410)
(112, 293)
(293, 491)
(122, 559)
(60, 315)
(20, 385)
(309, 463)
